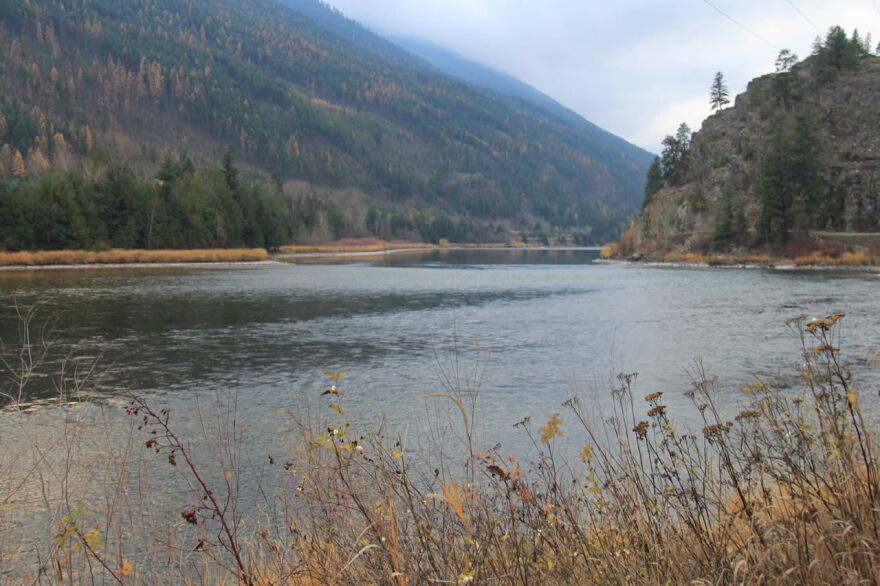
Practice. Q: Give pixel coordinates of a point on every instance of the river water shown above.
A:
(549, 324)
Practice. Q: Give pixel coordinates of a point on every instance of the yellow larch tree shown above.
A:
(36, 162)
(18, 169)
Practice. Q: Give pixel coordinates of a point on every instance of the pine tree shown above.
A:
(838, 52)
(231, 174)
(675, 153)
(791, 181)
(775, 196)
(785, 61)
(653, 181)
(730, 221)
(719, 96)
(723, 233)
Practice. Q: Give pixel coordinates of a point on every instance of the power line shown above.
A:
(876, 7)
(741, 25)
(807, 18)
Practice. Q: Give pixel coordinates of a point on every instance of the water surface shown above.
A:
(551, 323)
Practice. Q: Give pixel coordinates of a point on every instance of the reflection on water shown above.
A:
(554, 323)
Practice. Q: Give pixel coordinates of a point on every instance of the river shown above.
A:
(549, 324)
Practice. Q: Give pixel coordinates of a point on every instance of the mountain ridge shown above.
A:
(364, 133)
(478, 74)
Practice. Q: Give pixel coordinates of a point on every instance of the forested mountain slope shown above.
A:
(363, 141)
(413, 52)
(483, 76)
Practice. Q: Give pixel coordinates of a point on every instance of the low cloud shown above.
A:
(636, 68)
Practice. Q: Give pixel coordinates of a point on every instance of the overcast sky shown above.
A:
(637, 68)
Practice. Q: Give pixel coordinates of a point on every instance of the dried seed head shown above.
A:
(656, 410)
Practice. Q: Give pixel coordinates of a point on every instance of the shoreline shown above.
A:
(308, 253)
(316, 254)
(789, 266)
(139, 265)
(390, 251)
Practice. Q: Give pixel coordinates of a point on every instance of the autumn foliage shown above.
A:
(86, 257)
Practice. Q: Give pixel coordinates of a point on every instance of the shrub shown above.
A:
(783, 489)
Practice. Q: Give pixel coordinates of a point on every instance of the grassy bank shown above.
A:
(352, 245)
(816, 249)
(373, 245)
(811, 259)
(122, 256)
(784, 489)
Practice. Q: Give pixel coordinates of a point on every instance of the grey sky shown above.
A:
(636, 68)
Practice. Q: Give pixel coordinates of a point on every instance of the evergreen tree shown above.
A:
(675, 153)
(719, 96)
(230, 172)
(653, 181)
(791, 181)
(785, 61)
(837, 52)
(730, 221)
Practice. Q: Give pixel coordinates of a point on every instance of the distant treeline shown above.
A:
(180, 208)
(183, 206)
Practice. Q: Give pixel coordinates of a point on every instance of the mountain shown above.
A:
(480, 75)
(798, 153)
(402, 49)
(364, 138)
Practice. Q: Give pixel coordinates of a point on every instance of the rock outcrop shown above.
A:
(727, 155)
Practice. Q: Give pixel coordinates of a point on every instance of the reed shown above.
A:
(686, 257)
(851, 259)
(782, 489)
(125, 256)
(352, 245)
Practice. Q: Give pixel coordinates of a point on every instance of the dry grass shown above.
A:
(783, 490)
(754, 258)
(123, 256)
(686, 257)
(849, 259)
(352, 245)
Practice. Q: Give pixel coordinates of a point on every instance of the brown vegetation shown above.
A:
(802, 254)
(784, 489)
(351, 245)
(845, 259)
(123, 256)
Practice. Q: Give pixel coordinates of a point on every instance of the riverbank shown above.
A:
(121, 257)
(814, 260)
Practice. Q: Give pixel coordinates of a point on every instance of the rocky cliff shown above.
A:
(728, 159)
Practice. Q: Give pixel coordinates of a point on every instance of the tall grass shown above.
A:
(858, 258)
(125, 256)
(351, 245)
(783, 490)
